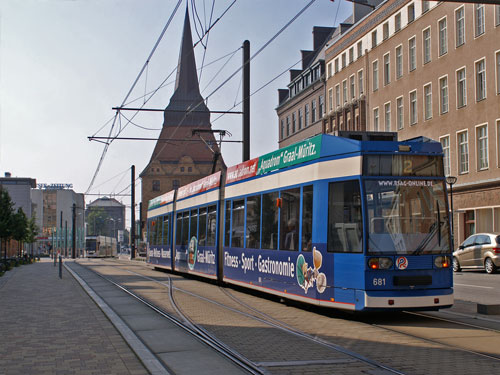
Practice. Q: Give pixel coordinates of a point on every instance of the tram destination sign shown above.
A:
(300, 152)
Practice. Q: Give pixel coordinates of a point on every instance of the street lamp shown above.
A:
(451, 180)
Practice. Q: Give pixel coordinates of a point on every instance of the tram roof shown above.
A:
(317, 147)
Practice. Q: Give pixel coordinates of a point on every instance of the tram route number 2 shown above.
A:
(379, 281)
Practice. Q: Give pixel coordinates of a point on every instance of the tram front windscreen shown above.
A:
(407, 216)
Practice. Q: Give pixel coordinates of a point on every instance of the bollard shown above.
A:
(60, 266)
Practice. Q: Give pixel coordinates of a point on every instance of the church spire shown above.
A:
(187, 95)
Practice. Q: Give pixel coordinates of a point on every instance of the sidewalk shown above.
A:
(50, 325)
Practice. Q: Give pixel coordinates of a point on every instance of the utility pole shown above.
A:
(246, 100)
(132, 216)
(73, 236)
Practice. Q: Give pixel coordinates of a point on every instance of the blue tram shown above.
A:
(338, 222)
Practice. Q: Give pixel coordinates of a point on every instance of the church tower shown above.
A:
(181, 161)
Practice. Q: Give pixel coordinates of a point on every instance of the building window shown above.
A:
(497, 64)
(479, 19)
(374, 39)
(360, 82)
(294, 122)
(375, 119)
(282, 129)
(461, 88)
(344, 90)
(306, 118)
(443, 94)
(426, 36)
(321, 106)
(336, 65)
(287, 126)
(497, 15)
(300, 118)
(412, 54)
(360, 49)
(190, 169)
(352, 86)
(399, 112)
(337, 96)
(463, 153)
(425, 6)
(385, 31)
(460, 26)
(313, 111)
(413, 108)
(329, 70)
(445, 143)
(156, 185)
(387, 69)
(399, 62)
(397, 22)
(387, 117)
(480, 80)
(375, 75)
(175, 184)
(482, 147)
(411, 13)
(427, 102)
(330, 99)
(343, 60)
(443, 37)
(351, 55)
(182, 169)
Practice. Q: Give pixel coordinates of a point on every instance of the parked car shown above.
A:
(480, 250)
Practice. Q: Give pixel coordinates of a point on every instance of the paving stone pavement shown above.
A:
(50, 325)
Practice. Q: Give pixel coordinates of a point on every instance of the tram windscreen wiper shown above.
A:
(427, 238)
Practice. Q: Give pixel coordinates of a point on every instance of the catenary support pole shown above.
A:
(246, 100)
(132, 216)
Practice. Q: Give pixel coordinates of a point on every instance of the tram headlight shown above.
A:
(380, 263)
(442, 262)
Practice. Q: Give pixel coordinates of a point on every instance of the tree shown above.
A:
(20, 228)
(32, 231)
(6, 219)
(96, 221)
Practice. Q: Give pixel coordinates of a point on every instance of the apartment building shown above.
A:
(427, 68)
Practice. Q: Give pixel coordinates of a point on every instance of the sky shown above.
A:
(64, 64)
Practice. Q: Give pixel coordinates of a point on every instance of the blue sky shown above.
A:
(65, 63)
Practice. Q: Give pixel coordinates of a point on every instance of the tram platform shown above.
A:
(51, 325)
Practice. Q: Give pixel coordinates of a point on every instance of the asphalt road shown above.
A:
(477, 286)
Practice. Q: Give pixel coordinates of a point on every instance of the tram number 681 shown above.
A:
(379, 281)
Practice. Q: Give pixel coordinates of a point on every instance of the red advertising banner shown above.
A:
(199, 186)
(161, 200)
(242, 171)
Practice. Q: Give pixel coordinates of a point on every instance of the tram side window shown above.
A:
(211, 225)
(202, 237)
(151, 232)
(289, 219)
(194, 225)
(227, 224)
(307, 210)
(344, 217)
(166, 231)
(270, 221)
(238, 223)
(185, 228)
(253, 222)
(178, 231)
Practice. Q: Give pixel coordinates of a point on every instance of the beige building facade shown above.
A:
(428, 68)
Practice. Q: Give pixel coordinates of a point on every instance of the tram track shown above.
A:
(318, 338)
(343, 356)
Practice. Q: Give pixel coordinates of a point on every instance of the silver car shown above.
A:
(481, 250)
